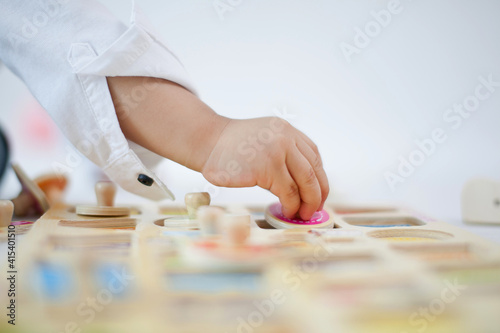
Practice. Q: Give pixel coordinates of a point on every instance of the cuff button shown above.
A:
(145, 180)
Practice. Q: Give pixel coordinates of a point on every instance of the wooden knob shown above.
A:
(6, 211)
(237, 228)
(209, 219)
(53, 185)
(195, 200)
(23, 204)
(105, 193)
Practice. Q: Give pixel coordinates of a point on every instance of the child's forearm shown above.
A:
(166, 118)
(172, 122)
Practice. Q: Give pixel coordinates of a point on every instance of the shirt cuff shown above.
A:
(137, 52)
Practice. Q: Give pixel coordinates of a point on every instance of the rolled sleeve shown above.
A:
(65, 65)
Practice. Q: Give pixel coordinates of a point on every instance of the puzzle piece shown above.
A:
(105, 193)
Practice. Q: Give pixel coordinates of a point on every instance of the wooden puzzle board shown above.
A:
(373, 271)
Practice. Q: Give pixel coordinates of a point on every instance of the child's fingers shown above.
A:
(323, 181)
(285, 188)
(308, 141)
(315, 161)
(305, 177)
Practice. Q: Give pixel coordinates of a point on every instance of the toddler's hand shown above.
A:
(272, 154)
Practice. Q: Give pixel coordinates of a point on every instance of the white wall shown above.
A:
(363, 114)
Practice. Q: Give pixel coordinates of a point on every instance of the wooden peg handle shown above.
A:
(6, 211)
(105, 193)
(195, 200)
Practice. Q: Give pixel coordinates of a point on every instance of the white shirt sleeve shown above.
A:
(63, 50)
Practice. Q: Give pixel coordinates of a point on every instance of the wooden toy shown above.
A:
(31, 200)
(185, 217)
(245, 268)
(236, 228)
(6, 211)
(105, 193)
(53, 186)
(209, 219)
(9, 226)
(275, 217)
(195, 200)
(481, 201)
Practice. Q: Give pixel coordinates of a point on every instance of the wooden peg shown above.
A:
(6, 211)
(195, 200)
(236, 228)
(209, 218)
(105, 193)
(53, 185)
(31, 199)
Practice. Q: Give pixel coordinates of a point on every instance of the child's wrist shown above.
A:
(214, 128)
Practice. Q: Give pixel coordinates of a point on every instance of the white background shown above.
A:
(276, 54)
